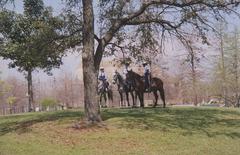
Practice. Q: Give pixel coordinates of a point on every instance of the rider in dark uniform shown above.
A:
(103, 79)
(147, 74)
(126, 69)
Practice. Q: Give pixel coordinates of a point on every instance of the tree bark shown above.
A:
(236, 68)
(223, 67)
(194, 78)
(91, 106)
(30, 91)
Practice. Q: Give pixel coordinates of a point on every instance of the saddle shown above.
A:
(103, 86)
(129, 85)
(147, 84)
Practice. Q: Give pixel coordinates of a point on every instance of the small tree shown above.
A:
(48, 103)
(11, 100)
(33, 40)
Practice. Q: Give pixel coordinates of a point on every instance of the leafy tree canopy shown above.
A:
(35, 39)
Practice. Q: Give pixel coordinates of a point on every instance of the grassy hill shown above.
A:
(171, 131)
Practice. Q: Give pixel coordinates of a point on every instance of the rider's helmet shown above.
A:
(129, 69)
(126, 61)
(145, 63)
(102, 68)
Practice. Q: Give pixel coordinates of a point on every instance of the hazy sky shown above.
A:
(71, 62)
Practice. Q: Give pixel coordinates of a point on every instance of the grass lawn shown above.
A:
(170, 131)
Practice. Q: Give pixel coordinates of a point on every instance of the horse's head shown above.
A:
(133, 78)
(118, 80)
(129, 75)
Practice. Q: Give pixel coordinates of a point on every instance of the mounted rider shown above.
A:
(147, 76)
(126, 69)
(103, 80)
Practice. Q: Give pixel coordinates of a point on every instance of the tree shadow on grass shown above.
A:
(188, 121)
(21, 123)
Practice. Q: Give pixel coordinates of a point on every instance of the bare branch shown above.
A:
(96, 37)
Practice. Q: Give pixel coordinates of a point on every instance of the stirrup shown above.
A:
(147, 90)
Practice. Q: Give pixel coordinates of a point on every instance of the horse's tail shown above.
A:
(162, 94)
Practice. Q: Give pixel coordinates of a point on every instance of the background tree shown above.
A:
(192, 61)
(48, 103)
(11, 100)
(232, 64)
(34, 40)
(226, 71)
(222, 62)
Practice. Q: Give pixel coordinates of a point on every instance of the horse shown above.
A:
(123, 87)
(105, 93)
(138, 84)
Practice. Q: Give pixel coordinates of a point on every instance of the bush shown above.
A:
(48, 102)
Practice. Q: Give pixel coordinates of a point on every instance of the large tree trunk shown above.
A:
(30, 91)
(194, 78)
(223, 67)
(91, 106)
(236, 68)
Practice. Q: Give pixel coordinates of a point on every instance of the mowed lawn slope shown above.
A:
(170, 131)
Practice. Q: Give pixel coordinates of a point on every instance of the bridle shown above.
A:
(116, 80)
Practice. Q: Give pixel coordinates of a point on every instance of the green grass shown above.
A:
(171, 131)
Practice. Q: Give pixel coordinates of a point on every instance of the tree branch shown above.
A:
(131, 19)
(96, 37)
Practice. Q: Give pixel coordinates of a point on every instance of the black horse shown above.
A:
(138, 85)
(105, 91)
(123, 87)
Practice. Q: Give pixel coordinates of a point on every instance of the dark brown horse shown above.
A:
(123, 88)
(138, 84)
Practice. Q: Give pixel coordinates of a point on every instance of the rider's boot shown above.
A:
(147, 86)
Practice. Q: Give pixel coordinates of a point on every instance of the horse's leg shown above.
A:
(136, 96)
(162, 94)
(127, 97)
(100, 101)
(105, 99)
(110, 96)
(141, 98)
(121, 99)
(133, 100)
(156, 98)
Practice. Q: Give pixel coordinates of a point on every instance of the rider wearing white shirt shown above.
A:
(102, 78)
(147, 73)
(126, 69)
